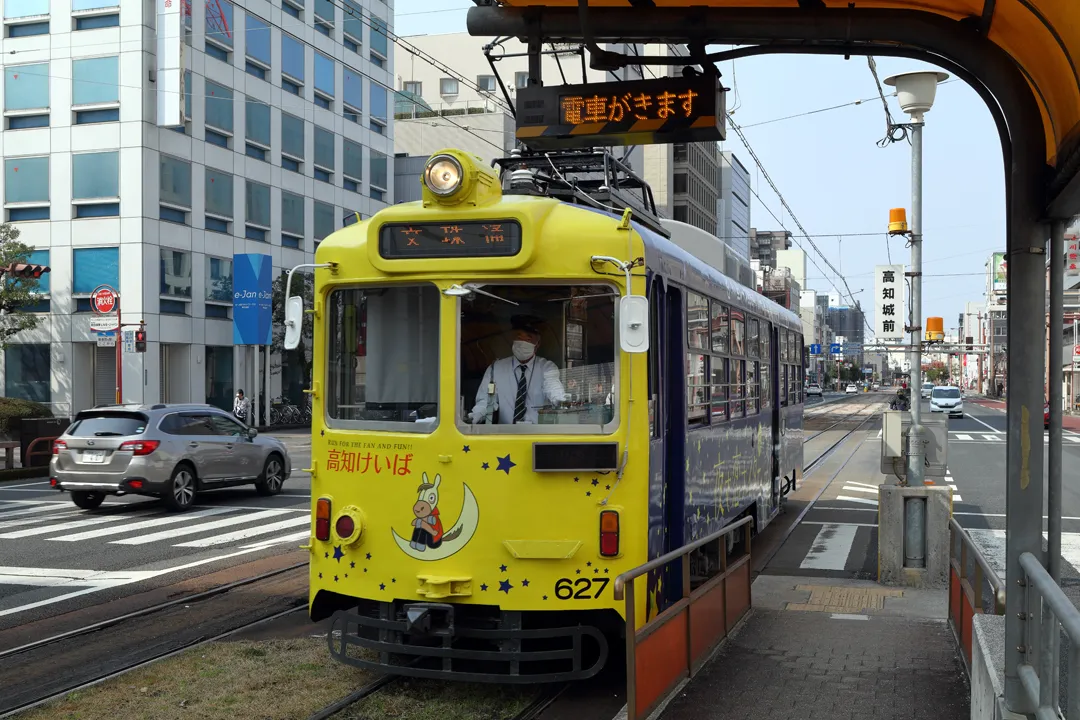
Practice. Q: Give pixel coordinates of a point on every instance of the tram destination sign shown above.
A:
(639, 112)
(491, 238)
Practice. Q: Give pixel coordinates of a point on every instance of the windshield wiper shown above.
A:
(107, 433)
(456, 290)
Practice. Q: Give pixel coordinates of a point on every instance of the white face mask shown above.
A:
(523, 350)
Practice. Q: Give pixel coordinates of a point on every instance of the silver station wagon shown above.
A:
(166, 451)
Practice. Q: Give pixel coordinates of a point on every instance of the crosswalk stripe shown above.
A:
(830, 549)
(963, 436)
(195, 529)
(278, 541)
(855, 488)
(35, 510)
(31, 520)
(246, 533)
(859, 484)
(29, 532)
(993, 438)
(141, 525)
(864, 501)
(1072, 438)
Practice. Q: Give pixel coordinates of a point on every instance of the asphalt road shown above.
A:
(57, 558)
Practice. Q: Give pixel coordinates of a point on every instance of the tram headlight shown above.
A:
(443, 175)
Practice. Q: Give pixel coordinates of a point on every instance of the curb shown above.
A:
(30, 473)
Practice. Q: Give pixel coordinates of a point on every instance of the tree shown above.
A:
(938, 373)
(295, 365)
(15, 293)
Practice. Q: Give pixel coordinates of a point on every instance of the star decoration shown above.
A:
(502, 568)
(369, 556)
(338, 554)
(545, 597)
(578, 571)
(382, 586)
(575, 479)
(320, 576)
(524, 583)
(505, 586)
(365, 569)
(606, 571)
(352, 565)
(607, 487)
(485, 466)
(465, 449)
(326, 554)
(335, 578)
(483, 587)
(595, 571)
(595, 482)
(393, 580)
(588, 493)
(588, 563)
(346, 575)
(505, 463)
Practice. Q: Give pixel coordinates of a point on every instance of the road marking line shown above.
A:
(848, 616)
(830, 549)
(963, 436)
(140, 525)
(39, 482)
(195, 529)
(29, 532)
(985, 424)
(993, 438)
(71, 510)
(859, 484)
(36, 519)
(853, 488)
(840, 509)
(1071, 438)
(822, 522)
(278, 541)
(864, 501)
(244, 534)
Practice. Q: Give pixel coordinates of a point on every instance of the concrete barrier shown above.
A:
(891, 570)
(988, 669)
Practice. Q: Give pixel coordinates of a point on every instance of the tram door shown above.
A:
(674, 373)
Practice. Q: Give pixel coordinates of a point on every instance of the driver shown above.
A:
(523, 382)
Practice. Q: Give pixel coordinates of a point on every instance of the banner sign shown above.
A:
(889, 302)
(252, 292)
(1072, 256)
(998, 268)
(170, 63)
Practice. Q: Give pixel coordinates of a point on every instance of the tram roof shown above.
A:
(1041, 36)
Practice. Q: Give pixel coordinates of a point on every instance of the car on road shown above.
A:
(947, 399)
(165, 450)
(813, 389)
(851, 389)
(927, 389)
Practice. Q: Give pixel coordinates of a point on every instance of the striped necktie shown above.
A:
(522, 391)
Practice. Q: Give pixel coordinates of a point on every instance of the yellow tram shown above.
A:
(484, 403)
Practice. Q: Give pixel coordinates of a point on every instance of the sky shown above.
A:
(830, 170)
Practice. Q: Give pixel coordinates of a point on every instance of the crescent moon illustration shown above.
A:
(465, 527)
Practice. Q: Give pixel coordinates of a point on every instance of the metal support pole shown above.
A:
(1051, 635)
(915, 469)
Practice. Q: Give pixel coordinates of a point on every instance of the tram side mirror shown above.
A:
(634, 323)
(294, 321)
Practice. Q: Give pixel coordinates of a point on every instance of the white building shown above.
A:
(287, 132)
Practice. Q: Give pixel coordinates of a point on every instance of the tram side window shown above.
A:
(782, 379)
(752, 406)
(766, 386)
(753, 338)
(738, 333)
(737, 406)
(783, 346)
(556, 342)
(719, 315)
(719, 389)
(697, 388)
(383, 362)
(697, 321)
(766, 336)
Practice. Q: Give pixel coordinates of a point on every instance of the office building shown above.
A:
(733, 204)
(764, 244)
(282, 133)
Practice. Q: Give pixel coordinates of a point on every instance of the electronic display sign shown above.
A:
(401, 241)
(640, 112)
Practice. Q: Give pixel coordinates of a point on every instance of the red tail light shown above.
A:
(140, 447)
(322, 519)
(135, 484)
(52, 482)
(57, 446)
(609, 533)
(345, 527)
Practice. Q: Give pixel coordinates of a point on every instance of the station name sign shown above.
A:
(639, 112)
(401, 241)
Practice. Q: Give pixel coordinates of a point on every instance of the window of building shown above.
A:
(41, 303)
(293, 7)
(95, 90)
(448, 86)
(413, 86)
(26, 188)
(292, 64)
(219, 281)
(324, 155)
(485, 83)
(353, 94)
(256, 210)
(27, 372)
(187, 97)
(175, 197)
(292, 142)
(378, 54)
(92, 267)
(324, 17)
(26, 96)
(219, 200)
(377, 165)
(521, 80)
(680, 213)
(324, 220)
(219, 114)
(257, 129)
(324, 80)
(352, 165)
(679, 152)
(353, 26)
(97, 20)
(219, 29)
(681, 182)
(378, 108)
(292, 220)
(95, 184)
(175, 281)
(14, 9)
(257, 46)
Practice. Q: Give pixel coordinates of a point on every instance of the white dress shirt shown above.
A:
(541, 378)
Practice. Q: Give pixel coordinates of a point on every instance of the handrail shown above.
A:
(1066, 613)
(996, 583)
(630, 575)
(30, 448)
(1040, 667)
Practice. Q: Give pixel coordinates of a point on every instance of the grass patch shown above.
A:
(278, 679)
(426, 699)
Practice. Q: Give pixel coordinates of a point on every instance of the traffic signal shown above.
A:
(140, 340)
(24, 270)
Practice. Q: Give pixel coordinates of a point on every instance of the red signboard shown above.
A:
(103, 300)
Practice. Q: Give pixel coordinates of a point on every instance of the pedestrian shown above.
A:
(241, 406)
(1001, 389)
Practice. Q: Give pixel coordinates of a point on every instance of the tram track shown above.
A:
(838, 422)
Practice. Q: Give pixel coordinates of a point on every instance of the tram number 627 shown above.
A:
(580, 589)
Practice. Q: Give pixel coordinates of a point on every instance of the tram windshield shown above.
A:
(541, 356)
(383, 359)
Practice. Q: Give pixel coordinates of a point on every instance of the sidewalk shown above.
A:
(832, 649)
